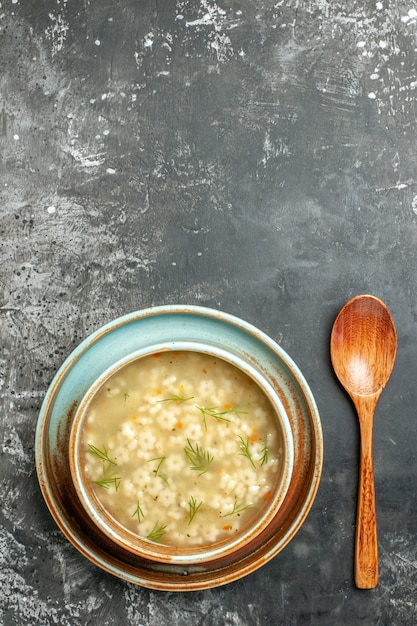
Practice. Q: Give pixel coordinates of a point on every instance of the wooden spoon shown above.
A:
(363, 345)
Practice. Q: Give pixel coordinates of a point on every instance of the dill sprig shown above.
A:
(236, 411)
(237, 508)
(192, 503)
(138, 512)
(108, 481)
(199, 458)
(244, 446)
(177, 399)
(157, 532)
(101, 454)
(219, 416)
(264, 454)
(156, 471)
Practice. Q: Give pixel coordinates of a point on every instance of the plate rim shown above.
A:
(145, 576)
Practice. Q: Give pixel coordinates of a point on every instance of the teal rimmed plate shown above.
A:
(139, 332)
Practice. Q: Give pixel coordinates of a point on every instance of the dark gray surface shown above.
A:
(254, 157)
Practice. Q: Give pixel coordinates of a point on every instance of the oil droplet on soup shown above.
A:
(182, 448)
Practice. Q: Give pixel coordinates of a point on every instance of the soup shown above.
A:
(181, 448)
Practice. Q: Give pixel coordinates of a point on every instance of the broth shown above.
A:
(181, 448)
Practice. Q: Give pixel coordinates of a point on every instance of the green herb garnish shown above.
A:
(264, 454)
(236, 411)
(138, 512)
(106, 482)
(244, 446)
(176, 398)
(157, 532)
(212, 412)
(156, 471)
(237, 508)
(199, 458)
(192, 503)
(101, 454)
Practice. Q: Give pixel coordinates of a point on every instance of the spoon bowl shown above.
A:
(363, 346)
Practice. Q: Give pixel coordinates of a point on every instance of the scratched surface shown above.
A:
(254, 157)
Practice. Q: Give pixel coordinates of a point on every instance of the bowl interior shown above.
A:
(240, 524)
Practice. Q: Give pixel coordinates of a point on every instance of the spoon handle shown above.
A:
(366, 545)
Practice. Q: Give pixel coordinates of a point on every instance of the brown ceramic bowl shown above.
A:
(73, 505)
(240, 542)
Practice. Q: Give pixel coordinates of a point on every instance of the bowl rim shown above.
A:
(162, 552)
(51, 446)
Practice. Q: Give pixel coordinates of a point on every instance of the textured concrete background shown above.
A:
(254, 157)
